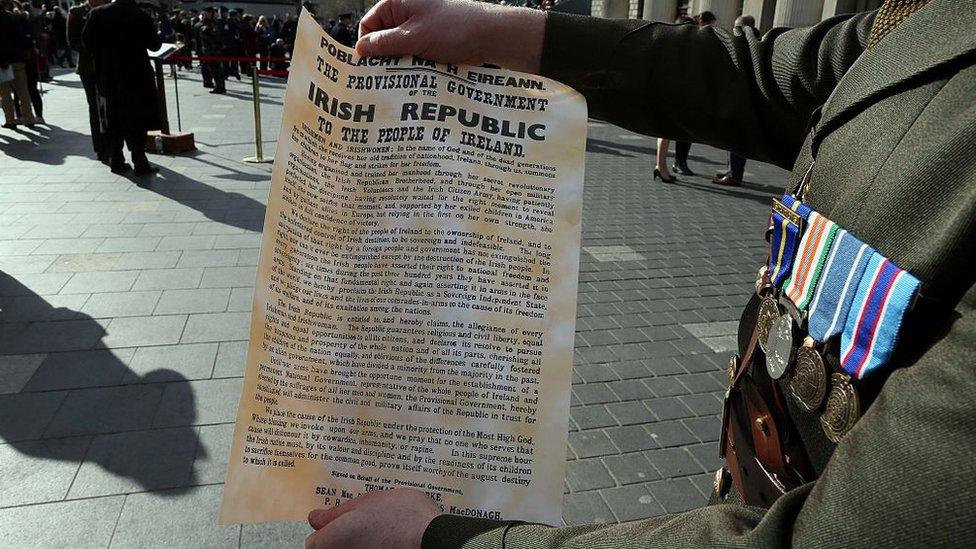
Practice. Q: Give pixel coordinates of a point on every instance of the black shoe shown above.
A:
(120, 168)
(209, 86)
(145, 169)
(657, 175)
(10, 125)
(104, 159)
(682, 168)
(218, 90)
(237, 76)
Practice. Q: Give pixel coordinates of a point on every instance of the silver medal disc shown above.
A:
(779, 348)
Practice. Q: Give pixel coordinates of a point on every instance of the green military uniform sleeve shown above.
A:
(730, 89)
(907, 463)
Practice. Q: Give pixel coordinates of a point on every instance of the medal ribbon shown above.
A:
(842, 272)
(785, 237)
(811, 257)
(883, 295)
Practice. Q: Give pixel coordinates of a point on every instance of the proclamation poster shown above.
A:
(415, 303)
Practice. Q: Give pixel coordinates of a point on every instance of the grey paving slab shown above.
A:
(632, 502)
(230, 359)
(587, 474)
(631, 468)
(39, 471)
(17, 370)
(201, 300)
(168, 279)
(171, 363)
(276, 534)
(676, 495)
(32, 308)
(105, 410)
(80, 524)
(217, 327)
(143, 330)
(191, 520)
(199, 402)
(586, 508)
(80, 369)
(117, 304)
(210, 463)
(136, 461)
(241, 299)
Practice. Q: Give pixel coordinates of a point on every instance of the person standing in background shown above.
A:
(210, 45)
(737, 164)
(681, 148)
(341, 31)
(262, 32)
(77, 17)
(117, 36)
(16, 45)
(249, 42)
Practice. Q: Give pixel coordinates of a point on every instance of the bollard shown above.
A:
(258, 157)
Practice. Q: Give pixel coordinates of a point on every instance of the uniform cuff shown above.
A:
(453, 532)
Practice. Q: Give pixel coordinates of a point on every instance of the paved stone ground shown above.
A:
(124, 315)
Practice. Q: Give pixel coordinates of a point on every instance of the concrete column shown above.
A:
(762, 10)
(797, 13)
(839, 7)
(725, 11)
(660, 10)
(616, 9)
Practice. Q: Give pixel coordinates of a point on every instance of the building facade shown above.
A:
(768, 13)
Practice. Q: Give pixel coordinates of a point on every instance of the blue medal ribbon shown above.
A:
(883, 296)
(787, 220)
(839, 280)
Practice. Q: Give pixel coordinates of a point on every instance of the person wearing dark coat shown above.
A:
(341, 33)
(77, 17)
(117, 36)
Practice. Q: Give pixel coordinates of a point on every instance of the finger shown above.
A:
(336, 535)
(379, 17)
(318, 518)
(387, 42)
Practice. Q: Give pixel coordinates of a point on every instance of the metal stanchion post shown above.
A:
(258, 157)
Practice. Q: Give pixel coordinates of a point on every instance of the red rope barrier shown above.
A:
(273, 72)
(214, 58)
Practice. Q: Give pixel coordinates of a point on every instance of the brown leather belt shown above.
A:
(759, 442)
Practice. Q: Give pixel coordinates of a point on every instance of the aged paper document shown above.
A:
(415, 303)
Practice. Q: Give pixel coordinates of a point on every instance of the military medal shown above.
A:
(842, 409)
(779, 347)
(871, 331)
(842, 272)
(787, 222)
(768, 312)
(810, 259)
(808, 384)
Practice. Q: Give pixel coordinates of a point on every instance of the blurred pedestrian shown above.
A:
(264, 39)
(208, 31)
(732, 177)
(249, 41)
(342, 32)
(15, 48)
(289, 27)
(278, 52)
(230, 41)
(77, 17)
(117, 36)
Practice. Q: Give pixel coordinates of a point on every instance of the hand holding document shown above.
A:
(415, 302)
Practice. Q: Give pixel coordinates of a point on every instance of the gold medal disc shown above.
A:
(809, 381)
(768, 313)
(842, 409)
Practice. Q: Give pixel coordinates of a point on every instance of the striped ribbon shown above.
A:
(871, 331)
(785, 237)
(811, 257)
(832, 298)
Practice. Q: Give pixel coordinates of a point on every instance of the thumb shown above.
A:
(387, 42)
